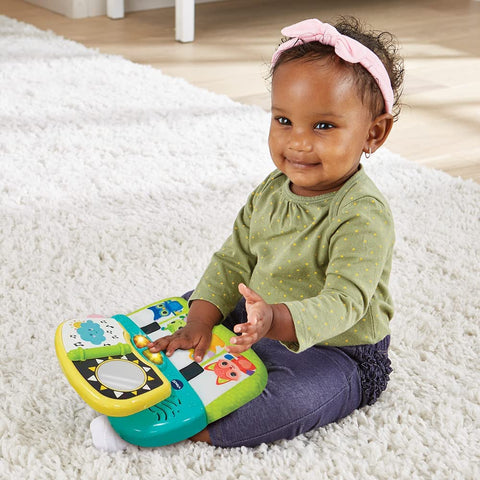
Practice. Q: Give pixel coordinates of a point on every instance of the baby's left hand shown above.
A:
(260, 318)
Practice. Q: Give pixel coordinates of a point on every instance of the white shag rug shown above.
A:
(117, 183)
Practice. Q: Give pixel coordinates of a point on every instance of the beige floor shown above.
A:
(440, 124)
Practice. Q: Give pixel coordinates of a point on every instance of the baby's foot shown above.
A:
(105, 437)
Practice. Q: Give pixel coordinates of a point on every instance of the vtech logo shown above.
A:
(176, 384)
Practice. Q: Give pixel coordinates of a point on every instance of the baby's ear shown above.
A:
(379, 130)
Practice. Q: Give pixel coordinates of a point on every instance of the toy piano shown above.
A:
(150, 399)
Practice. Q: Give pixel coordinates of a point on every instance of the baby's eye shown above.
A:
(323, 126)
(283, 120)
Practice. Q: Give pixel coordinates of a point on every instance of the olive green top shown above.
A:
(327, 258)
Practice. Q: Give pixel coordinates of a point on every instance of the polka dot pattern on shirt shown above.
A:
(322, 257)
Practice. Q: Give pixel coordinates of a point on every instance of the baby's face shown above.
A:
(319, 126)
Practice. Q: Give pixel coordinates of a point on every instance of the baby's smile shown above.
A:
(303, 164)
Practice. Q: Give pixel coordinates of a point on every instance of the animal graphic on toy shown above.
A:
(230, 368)
(150, 399)
(165, 309)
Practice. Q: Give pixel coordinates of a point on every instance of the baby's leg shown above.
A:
(304, 391)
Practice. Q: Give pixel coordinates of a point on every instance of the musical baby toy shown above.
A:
(150, 399)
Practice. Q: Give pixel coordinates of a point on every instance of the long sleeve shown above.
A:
(355, 294)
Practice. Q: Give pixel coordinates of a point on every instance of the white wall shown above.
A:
(93, 8)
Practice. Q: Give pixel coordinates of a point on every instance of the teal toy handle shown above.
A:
(176, 418)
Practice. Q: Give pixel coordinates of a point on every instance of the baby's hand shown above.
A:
(260, 318)
(194, 335)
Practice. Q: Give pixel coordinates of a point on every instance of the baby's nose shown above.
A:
(299, 141)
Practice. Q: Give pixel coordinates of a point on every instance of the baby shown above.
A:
(303, 278)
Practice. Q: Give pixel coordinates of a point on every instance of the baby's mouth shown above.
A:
(302, 163)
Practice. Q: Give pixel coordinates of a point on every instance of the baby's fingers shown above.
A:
(244, 339)
(159, 345)
(239, 346)
(251, 326)
(240, 328)
(201, 349)
(243, 342)
(168, 344)
(178, 342)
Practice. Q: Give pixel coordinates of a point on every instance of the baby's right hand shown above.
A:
(196, 335)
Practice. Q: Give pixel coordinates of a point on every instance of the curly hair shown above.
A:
(383, 44)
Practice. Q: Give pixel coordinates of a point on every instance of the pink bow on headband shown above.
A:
(313, 30)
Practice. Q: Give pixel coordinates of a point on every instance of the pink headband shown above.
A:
(347, 48)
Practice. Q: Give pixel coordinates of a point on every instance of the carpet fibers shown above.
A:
(117, 184)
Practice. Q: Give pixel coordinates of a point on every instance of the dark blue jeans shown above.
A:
(305, 390)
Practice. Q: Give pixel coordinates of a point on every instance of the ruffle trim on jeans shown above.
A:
(374, 368)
